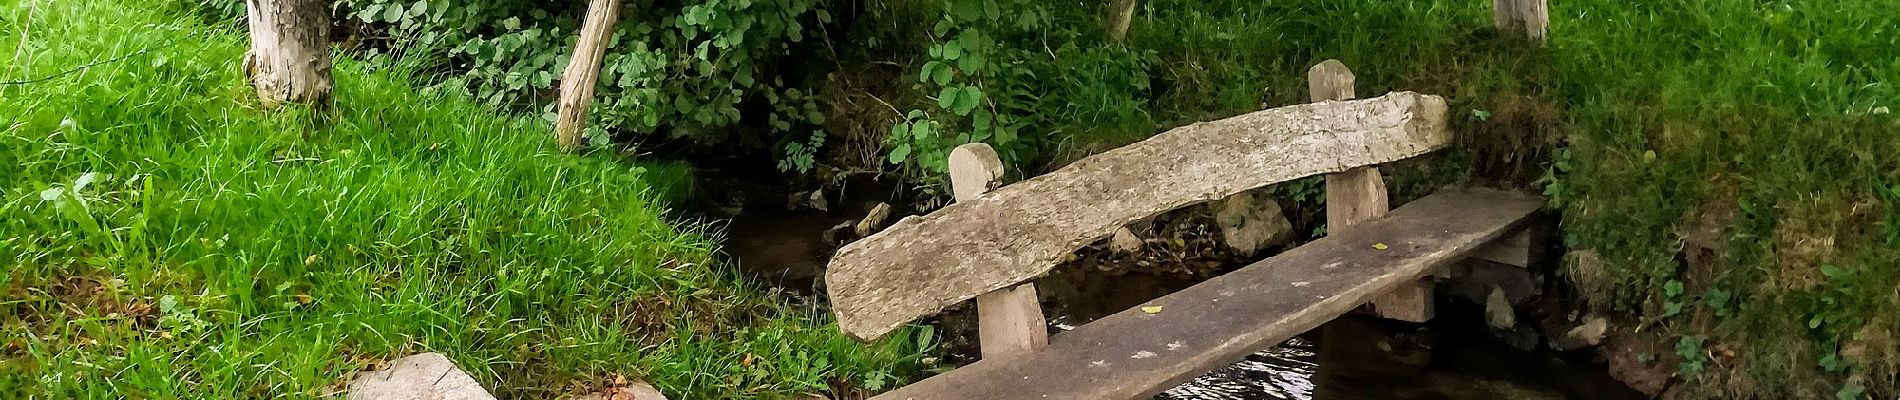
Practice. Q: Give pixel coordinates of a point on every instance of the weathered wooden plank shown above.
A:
(923, 264)
(1134, 354)
(1009, 321)
(1517, 249)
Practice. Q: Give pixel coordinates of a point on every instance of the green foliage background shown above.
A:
(1759, 130)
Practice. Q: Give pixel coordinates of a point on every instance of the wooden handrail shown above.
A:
(922, 264)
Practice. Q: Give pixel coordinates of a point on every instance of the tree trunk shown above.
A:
(289, 61)
(1120, 15)
(583, 72)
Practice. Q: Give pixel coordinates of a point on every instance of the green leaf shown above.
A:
(967, 99)
(900, 131)
(968, 10)
(952, 50)
(901, 153)
(393, 14)
(970, 63)
(947, 97)
(1833, 271)
(1672, 288)
(924, 130)
(1852, 391)
(937, 71)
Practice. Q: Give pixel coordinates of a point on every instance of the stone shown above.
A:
(811, 199)
(1498, 312)
(630, 391)
(1589, 333)
(1125, 241)
(1639, 365)
(1472, 281)
(426, 376)
(817, 201)
(874, 220)
(1251, 221)
(841, 233)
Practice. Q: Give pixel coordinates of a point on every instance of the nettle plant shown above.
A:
(683, 68)
(980, 98)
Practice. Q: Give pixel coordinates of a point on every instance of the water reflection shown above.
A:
(1282, 372)
(1356, 357)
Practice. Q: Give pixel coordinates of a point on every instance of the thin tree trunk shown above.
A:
(583, 72)
(289, 60)
(1120, 15)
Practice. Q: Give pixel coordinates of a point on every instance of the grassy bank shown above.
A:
(161, 237)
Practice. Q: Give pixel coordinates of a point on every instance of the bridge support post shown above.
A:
(1009, 321)
(1359, 194)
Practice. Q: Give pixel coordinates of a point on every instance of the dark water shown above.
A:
(1357, 357)
(1286, 371)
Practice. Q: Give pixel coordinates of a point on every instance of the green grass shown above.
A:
(1769, 120)
(164, 238)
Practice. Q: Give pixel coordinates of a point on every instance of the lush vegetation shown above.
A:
(1724, 167)
(161, 237)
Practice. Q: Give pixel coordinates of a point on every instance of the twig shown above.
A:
(81, 68)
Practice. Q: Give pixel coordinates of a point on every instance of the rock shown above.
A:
(426, 376)
(1125, 241)
(841, 233)
(1250, 222)
(631, 391)
(1498, 312)
(1472, 280)
(874, 220)
(812, 199)
(1588, 334)
(817, 201)
(1640, 366)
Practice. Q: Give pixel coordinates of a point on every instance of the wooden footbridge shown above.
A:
(988, 244)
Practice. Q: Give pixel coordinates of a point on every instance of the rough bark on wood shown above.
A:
(583, 72)
(1009, 321)
(1530, 18)
(1120, 15)
(923, 264)
(289, 59)
(1135, 353)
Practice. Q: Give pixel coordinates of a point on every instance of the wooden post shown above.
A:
(1359, 195)
(1120, 14)
(1530, 18)
(289, 59)
(583, 72)
(1009, 321)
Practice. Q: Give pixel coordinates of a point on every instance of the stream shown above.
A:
(783, 236)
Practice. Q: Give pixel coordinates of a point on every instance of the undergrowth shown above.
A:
(1724, 168)
(162, 237)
